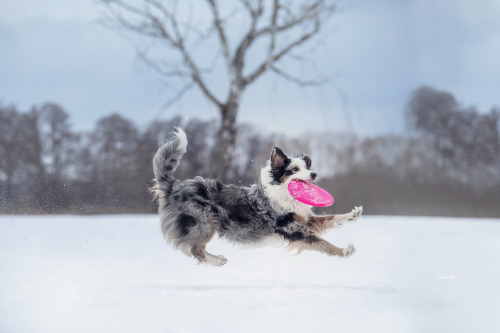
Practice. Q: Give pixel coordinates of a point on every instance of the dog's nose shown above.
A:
(313, 175)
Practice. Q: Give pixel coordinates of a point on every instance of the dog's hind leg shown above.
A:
(321, 224)
(215, 260)
(316, 243)
(200, 253)
(302, 238)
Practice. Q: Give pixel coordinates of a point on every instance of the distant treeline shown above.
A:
(448, 164)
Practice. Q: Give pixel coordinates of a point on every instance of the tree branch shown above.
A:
(296, 80)
(246, 42)
(161, 69)
(276, 57)
(152, 26)
(272, 45)
(310, 13)
(178, 95)
(222, 38)
(161, 22)
(315, 13)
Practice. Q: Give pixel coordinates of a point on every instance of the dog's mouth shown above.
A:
(305, 181)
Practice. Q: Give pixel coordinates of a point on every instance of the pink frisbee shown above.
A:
(309, 194)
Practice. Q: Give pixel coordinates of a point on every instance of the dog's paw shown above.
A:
(349, 251)
(356, 213)
(214, 260)
(219, 261)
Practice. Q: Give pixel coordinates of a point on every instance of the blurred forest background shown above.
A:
(444, 161)
(447, 164)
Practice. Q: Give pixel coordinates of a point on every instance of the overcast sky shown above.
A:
(376, 53)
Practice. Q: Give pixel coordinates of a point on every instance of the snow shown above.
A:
(116, 274)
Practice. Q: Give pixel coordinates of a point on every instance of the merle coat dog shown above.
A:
(194, 210)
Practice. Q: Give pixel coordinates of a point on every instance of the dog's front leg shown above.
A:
(322, 223)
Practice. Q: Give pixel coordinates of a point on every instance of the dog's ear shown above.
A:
(307, 160)
(277, 158)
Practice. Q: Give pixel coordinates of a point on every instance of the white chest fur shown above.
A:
(279, 197)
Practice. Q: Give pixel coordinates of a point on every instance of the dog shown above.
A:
(194, 210)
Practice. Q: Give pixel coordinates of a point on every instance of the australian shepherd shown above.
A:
(194, 210)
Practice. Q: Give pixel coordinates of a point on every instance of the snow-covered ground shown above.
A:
(115, 274)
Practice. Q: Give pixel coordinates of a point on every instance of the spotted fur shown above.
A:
(194, 210)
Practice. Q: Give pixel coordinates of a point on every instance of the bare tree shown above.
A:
(279, 28)
(10, 142)
(462, 135)
(57, 137)
(114, 141)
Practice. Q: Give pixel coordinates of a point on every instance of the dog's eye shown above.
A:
(295, 169)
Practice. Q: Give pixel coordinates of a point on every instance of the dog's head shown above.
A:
(283, 169)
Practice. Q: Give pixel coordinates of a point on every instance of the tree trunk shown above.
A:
(226, 141)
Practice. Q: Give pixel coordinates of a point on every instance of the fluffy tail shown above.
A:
(167, 159)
